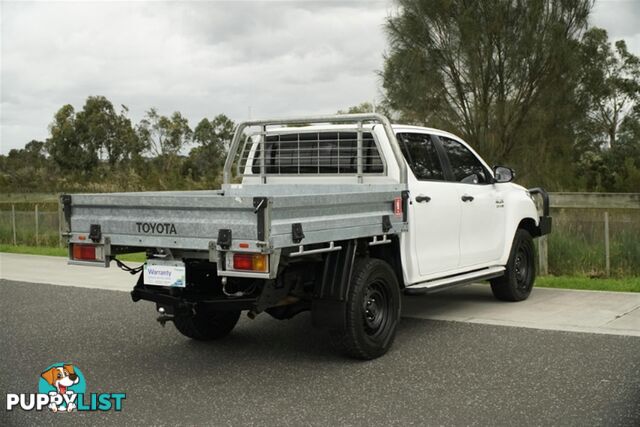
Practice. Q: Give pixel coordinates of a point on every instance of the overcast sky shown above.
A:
(202, 58)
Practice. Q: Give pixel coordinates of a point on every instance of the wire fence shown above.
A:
(596, 241)
(30, 224)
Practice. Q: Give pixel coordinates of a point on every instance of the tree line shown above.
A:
(98, 148)
(526, 82)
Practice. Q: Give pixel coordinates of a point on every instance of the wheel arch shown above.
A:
(390, 253)
(527, 223)
(530, 225)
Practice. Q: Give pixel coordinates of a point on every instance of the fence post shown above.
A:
(37, 227)
(13, 222)
(543, 255)
(606, 244)
(59, 223)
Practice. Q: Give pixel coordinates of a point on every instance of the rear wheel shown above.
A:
(372, 311)
(518, 279)
(207, 326)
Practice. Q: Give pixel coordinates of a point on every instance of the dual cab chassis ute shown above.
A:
(337, 215)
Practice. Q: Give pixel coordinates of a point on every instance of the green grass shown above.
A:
(28, 197)
(629, 284)
(33, 250)
(62, 252)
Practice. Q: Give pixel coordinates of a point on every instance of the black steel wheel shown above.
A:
(372, 310)
(376, 306)
(520, 273)
(207, 326)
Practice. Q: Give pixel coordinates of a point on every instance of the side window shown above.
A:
(421, 155)
(464, 164)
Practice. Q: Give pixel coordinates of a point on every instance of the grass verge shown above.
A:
(628, 284)
(62, 252)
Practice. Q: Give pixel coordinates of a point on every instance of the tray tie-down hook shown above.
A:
(260, 202)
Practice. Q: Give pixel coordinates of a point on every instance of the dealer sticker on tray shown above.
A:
(165, 273)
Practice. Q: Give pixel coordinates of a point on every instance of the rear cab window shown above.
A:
(420, 152)
(318, 153)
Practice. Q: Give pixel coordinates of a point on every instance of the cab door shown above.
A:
(482, 215)
(432, 243)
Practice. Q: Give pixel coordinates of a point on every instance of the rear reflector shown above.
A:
(251, 262)
(84, 252)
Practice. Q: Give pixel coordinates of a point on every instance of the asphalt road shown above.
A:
(269, 372)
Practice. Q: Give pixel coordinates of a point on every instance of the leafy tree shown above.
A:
(368, 107)
(495, 72)
(106, 131)
(162, 135)
(217, 132)
(610, 85)
(26, 169)
(79, 140)
(33, 153)
(213, 138)
(363, 107)
(608, 136)
(622, 160)
(68, 150)
(164, 138)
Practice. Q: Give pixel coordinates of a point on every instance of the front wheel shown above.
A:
(207, 326)
(517, 282)
(372, 311)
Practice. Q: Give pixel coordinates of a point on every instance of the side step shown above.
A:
(453, 281)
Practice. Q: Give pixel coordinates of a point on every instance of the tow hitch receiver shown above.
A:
(164, 317)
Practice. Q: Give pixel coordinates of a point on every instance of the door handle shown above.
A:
(467, 198)
(421, 199)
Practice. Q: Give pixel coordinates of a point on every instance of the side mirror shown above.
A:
(503, 174)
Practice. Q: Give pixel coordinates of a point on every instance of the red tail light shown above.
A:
(84, 252)
(397, 206)
(251, 262)
(242, 262)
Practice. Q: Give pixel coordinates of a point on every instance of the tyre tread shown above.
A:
(503, 287)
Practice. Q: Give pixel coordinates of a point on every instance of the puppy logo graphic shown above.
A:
(65, 380)
(62, 388)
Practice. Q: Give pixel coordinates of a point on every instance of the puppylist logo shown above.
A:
(62, 388)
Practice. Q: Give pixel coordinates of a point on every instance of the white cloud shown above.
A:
(202, 58)
(199, 58)
(621, 19)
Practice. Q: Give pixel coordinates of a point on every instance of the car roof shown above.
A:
(400, 127)
(397, 127)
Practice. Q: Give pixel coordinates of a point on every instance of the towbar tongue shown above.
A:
(163, 318)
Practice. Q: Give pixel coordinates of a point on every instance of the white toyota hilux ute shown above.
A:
(336, 215)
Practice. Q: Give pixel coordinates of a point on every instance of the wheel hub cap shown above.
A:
(375, 308)
(521, 267)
